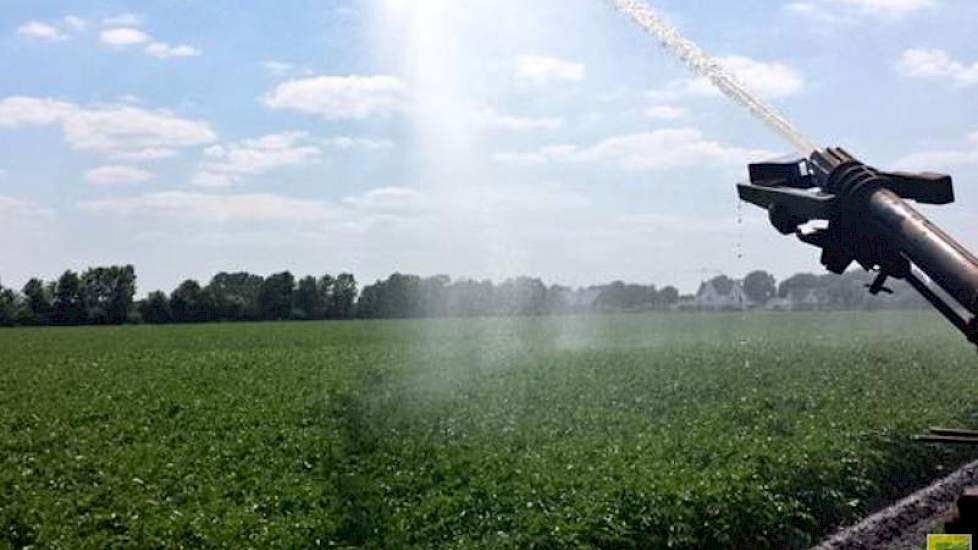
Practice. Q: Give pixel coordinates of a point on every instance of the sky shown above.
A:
(474, 138)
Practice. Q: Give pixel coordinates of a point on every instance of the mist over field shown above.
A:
(475, 273)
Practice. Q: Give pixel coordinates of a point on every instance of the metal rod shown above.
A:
(954, 431)
(946, 309)
(950, 439)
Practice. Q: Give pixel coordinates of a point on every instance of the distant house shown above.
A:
(722, 294)
(581, 298)
(805, 299)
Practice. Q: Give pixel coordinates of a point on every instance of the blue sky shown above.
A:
(475, 138)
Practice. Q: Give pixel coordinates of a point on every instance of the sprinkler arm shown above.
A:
(870, 223)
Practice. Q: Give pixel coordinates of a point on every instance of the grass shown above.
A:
(684, 431)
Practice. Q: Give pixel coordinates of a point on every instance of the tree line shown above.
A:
(831, 291)
(106, 295)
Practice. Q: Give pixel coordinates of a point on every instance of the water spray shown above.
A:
(708, 67)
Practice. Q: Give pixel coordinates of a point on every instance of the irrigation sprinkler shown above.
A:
(870, 222)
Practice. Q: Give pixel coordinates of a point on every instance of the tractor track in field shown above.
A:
(904, 525)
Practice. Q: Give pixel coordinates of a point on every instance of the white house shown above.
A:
(728, 296)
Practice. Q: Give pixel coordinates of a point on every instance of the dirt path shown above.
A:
(905, 525)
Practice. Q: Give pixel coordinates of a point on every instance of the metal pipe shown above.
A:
(938, 255)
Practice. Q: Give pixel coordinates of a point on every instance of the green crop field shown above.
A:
(686, 431)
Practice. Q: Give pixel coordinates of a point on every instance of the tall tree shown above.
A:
(37, 303)
(275, 297)
(557, 299)
(433, 293)
(760, 286)
(667, 296)
(521, 296)
(8, 307)
(107, 293)
(306, 302)
(190, 303)
(342, 297)
(236, 295)
(156, 308)
(324, 288)
(798, 282)
(68, 307)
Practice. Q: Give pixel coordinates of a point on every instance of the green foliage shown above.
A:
(38, 299)
(69, 303)
(307, 302)
(650, 431)
(619, 296)
(760, 286)
(236, 296)
(155, 308)
(190, 303)
(341, 296)
(275, 296)
(106, 294)
(8, 307)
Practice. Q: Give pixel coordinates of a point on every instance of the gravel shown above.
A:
(905, 524)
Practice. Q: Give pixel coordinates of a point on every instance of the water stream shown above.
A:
(704, 65)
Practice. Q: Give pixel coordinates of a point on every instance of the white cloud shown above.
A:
(11, 207)
(802, 8)
(340, 97)
(222, 208)
(278, 68)
(539, 69)
(353, 213)
(886, 6)
(53, 32)
(921, 63)
(821, 18)
(118, 131)
(20, 111)
(162, 50)
(124, 20)
(123, 36)
(348, 142)
(771, 80)
(963, 154)
(387, 199)
(75, 23)
(666, 112)
(42, 31)
(117, 175)
(227, 164)
(130, 130)
(143, 155)
(489, 118)
(647, 151)
(830, 14)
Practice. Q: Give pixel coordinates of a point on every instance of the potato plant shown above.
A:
(657, 431)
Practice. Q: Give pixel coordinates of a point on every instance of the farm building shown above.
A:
(722, 294)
